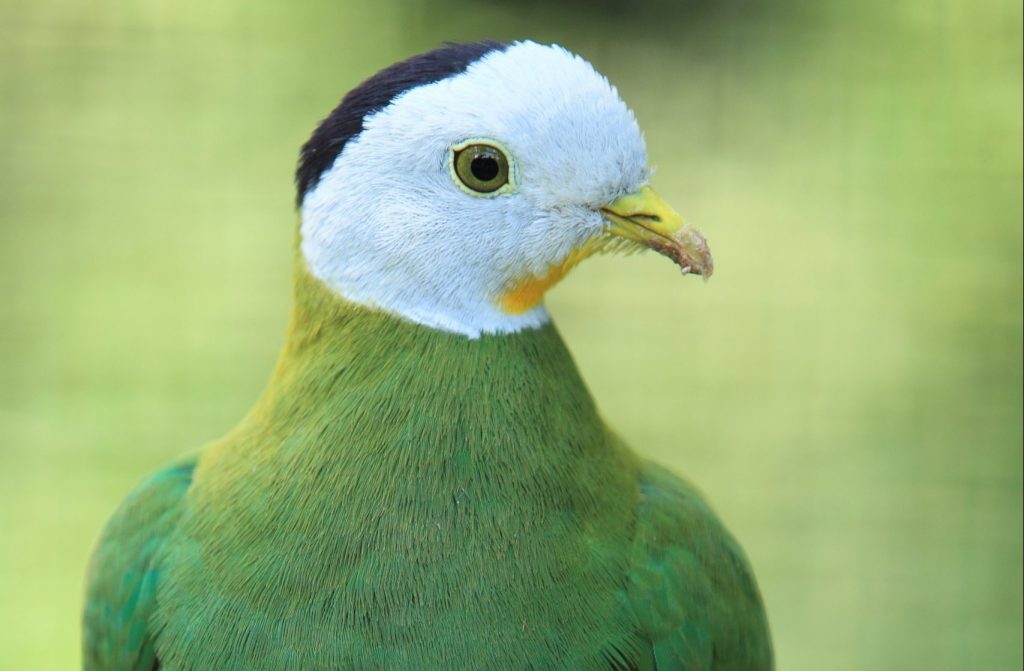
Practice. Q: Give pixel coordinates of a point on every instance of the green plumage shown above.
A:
(405, 498)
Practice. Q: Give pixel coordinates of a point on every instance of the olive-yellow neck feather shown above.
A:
(396, 470)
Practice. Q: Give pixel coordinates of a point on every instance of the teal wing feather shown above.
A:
(123, 574)
(690, 585)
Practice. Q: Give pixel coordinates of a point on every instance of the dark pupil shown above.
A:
(484, 167)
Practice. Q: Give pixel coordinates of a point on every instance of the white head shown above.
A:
(397, 222)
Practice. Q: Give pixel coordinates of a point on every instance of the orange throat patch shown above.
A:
(528, 292)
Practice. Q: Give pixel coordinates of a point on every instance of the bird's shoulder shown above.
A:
(124, 570)
(690, 584)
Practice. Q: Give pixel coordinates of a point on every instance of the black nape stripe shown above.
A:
(346, 121)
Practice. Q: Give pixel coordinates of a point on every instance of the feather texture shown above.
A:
(405, 498)
(124, 573)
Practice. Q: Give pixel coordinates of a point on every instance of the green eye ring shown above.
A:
(482, 168)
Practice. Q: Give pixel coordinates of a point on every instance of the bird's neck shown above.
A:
(360, 396)
(395, 476)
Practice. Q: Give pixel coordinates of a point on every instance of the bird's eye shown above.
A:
(482, 168)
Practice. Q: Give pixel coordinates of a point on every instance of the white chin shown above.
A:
(472, 319)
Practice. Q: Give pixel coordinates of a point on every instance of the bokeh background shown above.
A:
(846, 390)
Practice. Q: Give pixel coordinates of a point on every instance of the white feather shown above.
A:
(387, 227)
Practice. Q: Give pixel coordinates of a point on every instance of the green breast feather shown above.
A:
(401, 498)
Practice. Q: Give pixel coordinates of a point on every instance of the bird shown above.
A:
(426, 481)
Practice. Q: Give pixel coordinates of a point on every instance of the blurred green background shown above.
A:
(846, 390)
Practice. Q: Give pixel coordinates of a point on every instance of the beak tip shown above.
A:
(692, 254)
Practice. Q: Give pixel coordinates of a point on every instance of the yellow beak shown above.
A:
(643, 217)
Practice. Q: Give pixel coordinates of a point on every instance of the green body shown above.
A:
(403, 498)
